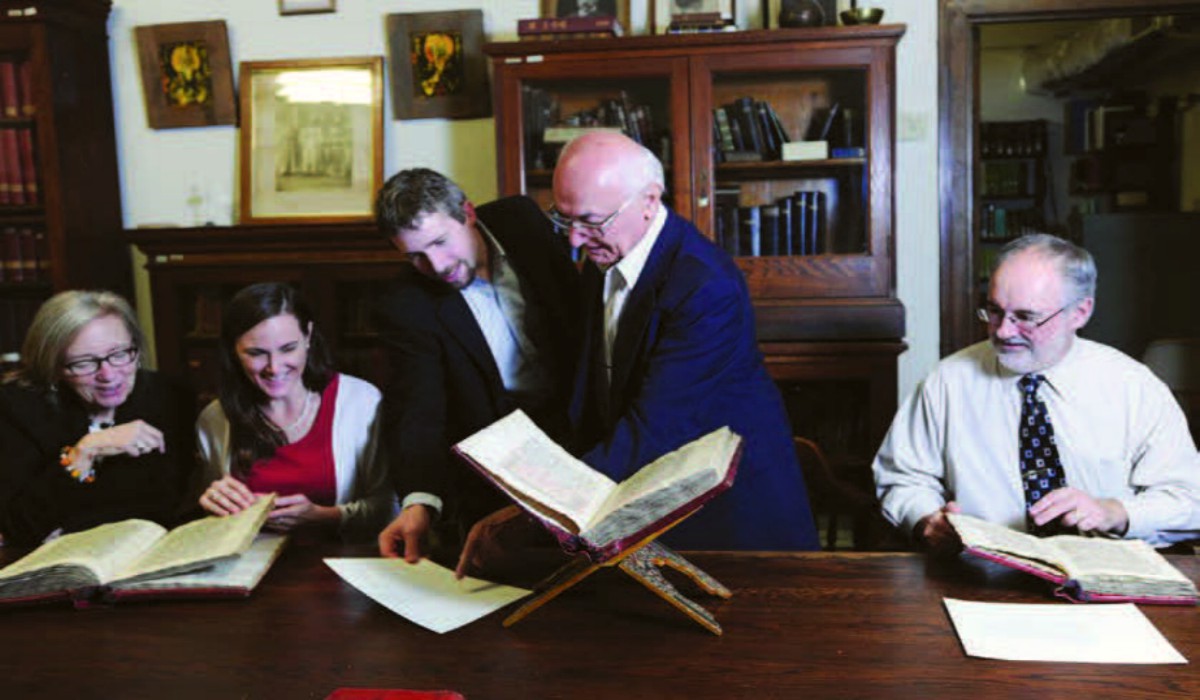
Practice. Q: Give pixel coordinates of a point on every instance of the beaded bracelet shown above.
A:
(67, 458)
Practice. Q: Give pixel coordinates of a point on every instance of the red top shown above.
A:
(306, 465)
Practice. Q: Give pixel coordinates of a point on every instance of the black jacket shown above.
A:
(37, 496)
(445, 384)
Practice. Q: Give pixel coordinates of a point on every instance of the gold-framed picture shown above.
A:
(311, 141)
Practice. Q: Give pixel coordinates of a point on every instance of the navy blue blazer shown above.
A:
(686, 362)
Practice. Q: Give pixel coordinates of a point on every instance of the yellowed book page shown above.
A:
(201, 542)
(529, 463)
(686, 466)
(1091, 556)
(242, 572)
(105, 549)
(998, 538)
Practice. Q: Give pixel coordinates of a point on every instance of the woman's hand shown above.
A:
(133, 438)
(293, 511)
(227, 496)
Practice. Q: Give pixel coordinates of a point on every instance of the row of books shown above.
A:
(792, 225)
(15, 317)
(1003, 224)
(18, 167)
(1013, 139)
(747, 130)
(16, 88)
(547, 129)
(24, 256)
(1009, 178)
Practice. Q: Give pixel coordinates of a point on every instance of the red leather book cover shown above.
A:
(29, 170)
(25, 86)
(8, 89)
(12, 166)
(392, 694)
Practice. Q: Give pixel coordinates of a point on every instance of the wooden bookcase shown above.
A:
(60, 207)
(339, 268)
(829, 322)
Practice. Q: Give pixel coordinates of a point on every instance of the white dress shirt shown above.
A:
(1120, 434)
(621, 278)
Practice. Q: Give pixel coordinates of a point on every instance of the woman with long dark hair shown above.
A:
(287, 423)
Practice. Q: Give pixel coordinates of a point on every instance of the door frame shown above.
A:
(958, 113)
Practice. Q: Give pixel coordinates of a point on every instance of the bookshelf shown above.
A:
(60, 210)
(829, 322)
(339, 268)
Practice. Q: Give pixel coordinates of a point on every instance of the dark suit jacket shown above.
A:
(446, 385)
(37, 496)
(686, 362)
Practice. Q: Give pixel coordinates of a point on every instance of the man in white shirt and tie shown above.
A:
(1036, 427)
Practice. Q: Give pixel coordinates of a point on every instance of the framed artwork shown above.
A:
(311, 139)
(827, 12)
(664, 11)
(438, 68)
(306, 7)
(588, 8)
(186, 74)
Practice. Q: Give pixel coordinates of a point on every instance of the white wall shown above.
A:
(161, 169)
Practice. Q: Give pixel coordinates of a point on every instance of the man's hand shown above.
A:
(1078, 509)
(483, 541)
(409, 528)
(936, 533)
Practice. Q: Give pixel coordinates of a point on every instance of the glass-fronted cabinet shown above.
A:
(779, 146)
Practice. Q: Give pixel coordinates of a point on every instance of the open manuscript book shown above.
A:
(1089, 569)
(585, 509)
(214, 556)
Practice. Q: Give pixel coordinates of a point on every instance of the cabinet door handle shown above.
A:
(702, 200)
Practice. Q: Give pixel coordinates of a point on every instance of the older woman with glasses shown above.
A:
(86, 436)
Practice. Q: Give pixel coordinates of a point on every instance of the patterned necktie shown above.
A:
(1041, 468)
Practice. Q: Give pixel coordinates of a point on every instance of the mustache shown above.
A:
(1011, 342)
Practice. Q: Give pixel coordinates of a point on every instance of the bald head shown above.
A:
(607, 178)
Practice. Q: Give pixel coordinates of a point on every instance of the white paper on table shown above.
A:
(1103, 634)
(425, 592)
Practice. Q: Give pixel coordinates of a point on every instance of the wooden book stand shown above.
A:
(643, 561)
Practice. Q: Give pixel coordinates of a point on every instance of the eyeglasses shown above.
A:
(565, 224)
(91, 365)
(1025, 321)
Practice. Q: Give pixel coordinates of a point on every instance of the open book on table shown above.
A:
(137, 558)
(585, 509)
(1090, 569)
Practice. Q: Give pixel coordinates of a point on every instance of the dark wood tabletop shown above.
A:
(797, 626)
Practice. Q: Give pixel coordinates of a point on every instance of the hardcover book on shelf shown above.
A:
(584, 509)
(1086, 569)
(140, 559)
(568, 28)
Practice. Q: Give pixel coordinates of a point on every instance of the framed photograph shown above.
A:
(306, 7)
(311, 139)
(186, 74)
(588, 8)
(438, 68)
(666, 11)
(826, 14)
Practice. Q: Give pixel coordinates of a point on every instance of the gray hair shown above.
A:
(57, 323)
(410, 194)
(1075, 264)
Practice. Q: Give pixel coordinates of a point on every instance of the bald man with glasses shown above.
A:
(1038, 429)
(669, 351)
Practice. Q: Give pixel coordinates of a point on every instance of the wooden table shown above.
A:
(798, 626)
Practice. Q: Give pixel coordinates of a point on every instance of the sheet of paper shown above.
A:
(425, 593)
(1102, 634)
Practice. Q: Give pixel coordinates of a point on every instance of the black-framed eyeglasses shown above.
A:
(90, 365)
(1025, 321)
(565, 224)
